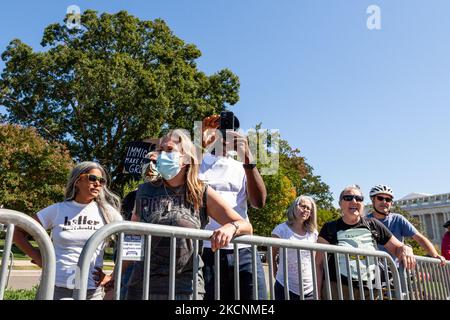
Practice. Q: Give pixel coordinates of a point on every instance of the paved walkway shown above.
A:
(28, 275)
(24, 279)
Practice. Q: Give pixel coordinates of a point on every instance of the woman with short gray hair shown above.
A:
(88, 206)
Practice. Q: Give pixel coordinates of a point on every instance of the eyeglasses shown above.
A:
(94, 178)
(304, 207)
(380, 198)
(350, 197)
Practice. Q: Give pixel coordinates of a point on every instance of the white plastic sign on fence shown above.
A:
(132, 247)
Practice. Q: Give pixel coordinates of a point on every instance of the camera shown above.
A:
(228, 121)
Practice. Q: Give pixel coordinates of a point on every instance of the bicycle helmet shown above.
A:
(381, 188)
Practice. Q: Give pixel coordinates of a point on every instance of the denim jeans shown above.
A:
(124, 282)
(227, 275)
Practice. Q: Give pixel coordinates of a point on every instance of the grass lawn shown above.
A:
(20, 294)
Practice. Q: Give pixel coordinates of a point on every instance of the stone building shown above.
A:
(431, 210)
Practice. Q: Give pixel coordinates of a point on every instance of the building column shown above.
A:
(434, 224)
(421, 219)
(422, 224)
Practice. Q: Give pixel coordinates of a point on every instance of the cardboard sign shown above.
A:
(135, 157)
(133, 246)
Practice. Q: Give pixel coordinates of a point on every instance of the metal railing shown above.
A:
(429, 280)
(13, 218)
(10, 267)
(175, 233)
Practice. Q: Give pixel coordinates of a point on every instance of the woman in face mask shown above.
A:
(179, 198)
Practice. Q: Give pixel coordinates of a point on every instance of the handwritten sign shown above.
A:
(135, 157)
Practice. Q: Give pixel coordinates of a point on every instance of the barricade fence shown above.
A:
(370, 275)
(427, 281)
(13, 219)
(361, 265)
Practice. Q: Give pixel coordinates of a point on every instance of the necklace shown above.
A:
(169, 200)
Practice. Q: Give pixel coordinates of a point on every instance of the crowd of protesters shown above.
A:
(213, 193)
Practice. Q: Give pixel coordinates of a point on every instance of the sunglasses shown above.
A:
(350, 197)
(94, 178)
(380, 198)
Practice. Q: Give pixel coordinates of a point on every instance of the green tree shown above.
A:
(33, 172)
(326, 215)
(114, 80)
(280, 194)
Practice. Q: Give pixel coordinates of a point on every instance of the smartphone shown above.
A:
(228, 121)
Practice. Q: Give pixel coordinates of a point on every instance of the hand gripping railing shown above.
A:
(177, 232)
(13, 218)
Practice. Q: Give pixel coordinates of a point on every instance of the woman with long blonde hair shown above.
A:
(179, 198)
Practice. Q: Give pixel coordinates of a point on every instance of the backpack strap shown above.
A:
(365, 222)
(332, 231)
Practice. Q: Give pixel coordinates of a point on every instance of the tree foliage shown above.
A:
(280, 194)
(118, 79)
(33, 172)
(114, 80)
(326, 215)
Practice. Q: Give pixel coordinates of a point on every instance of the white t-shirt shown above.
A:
(283, 231)
(72, 224)
(227, 177)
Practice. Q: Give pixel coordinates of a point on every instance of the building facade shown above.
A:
(431, 210)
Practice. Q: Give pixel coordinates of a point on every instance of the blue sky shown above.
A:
(364, 106)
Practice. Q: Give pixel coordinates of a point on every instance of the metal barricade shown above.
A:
(374, 288)
(13, 218)
(10, 267)
(429, 280)
(175, 233)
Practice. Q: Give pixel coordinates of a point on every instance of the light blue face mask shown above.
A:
(168, 164)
